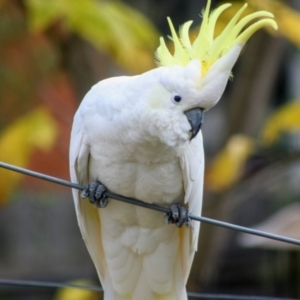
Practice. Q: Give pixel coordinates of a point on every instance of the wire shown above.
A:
(46, 284)
(233, 297)
(153, 206)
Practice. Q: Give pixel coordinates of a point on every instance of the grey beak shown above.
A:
(195, 117)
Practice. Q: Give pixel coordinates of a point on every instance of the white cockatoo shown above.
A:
(139, 136)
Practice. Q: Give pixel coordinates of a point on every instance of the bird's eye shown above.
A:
(177, 98)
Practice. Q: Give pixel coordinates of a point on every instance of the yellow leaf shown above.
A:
(226, 168)
(77, 294)
(286, 119)
(111, 26)
(43, 13)
(2, 2)
(34, 130)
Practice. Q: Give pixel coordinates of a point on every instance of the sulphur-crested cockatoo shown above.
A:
(139, 136)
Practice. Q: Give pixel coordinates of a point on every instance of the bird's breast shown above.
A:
(157, 182)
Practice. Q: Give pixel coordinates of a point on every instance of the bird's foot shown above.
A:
(96, 193)
(178, 215)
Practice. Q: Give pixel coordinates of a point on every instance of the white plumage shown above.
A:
(138, 136)
(115, 141)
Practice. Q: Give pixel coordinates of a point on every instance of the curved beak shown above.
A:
(195, 117)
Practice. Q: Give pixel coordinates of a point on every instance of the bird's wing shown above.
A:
(87, 214)
(192, 164)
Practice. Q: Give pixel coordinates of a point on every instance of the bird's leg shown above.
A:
(178, 215)
(96, 193)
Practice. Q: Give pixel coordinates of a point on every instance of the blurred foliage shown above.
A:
(111, 26)
(17, 142)
(31, 71)
(283, 121)
(77, 294)
(26, 62)
(227, 166)
(35, 97)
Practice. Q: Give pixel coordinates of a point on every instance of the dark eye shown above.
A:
(177, 98)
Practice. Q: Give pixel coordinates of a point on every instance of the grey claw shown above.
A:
(96, 193)
(188, 221)
(99, 191)
(175, 211)
(168, 218)
(85, 193)
(181, 219)
(102, 202)
(178, 215)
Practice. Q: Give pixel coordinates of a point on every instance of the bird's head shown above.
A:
(193, 78)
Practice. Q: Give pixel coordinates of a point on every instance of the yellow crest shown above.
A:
(205, 47)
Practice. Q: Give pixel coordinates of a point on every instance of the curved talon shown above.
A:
(96, 193)
(168, 218)
(188, 221)
(85, 193)
(99, 191)
(182, 216)
(175, 211)
(102, 202)
(178, 215)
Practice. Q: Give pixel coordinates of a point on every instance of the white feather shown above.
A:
(134, 251)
